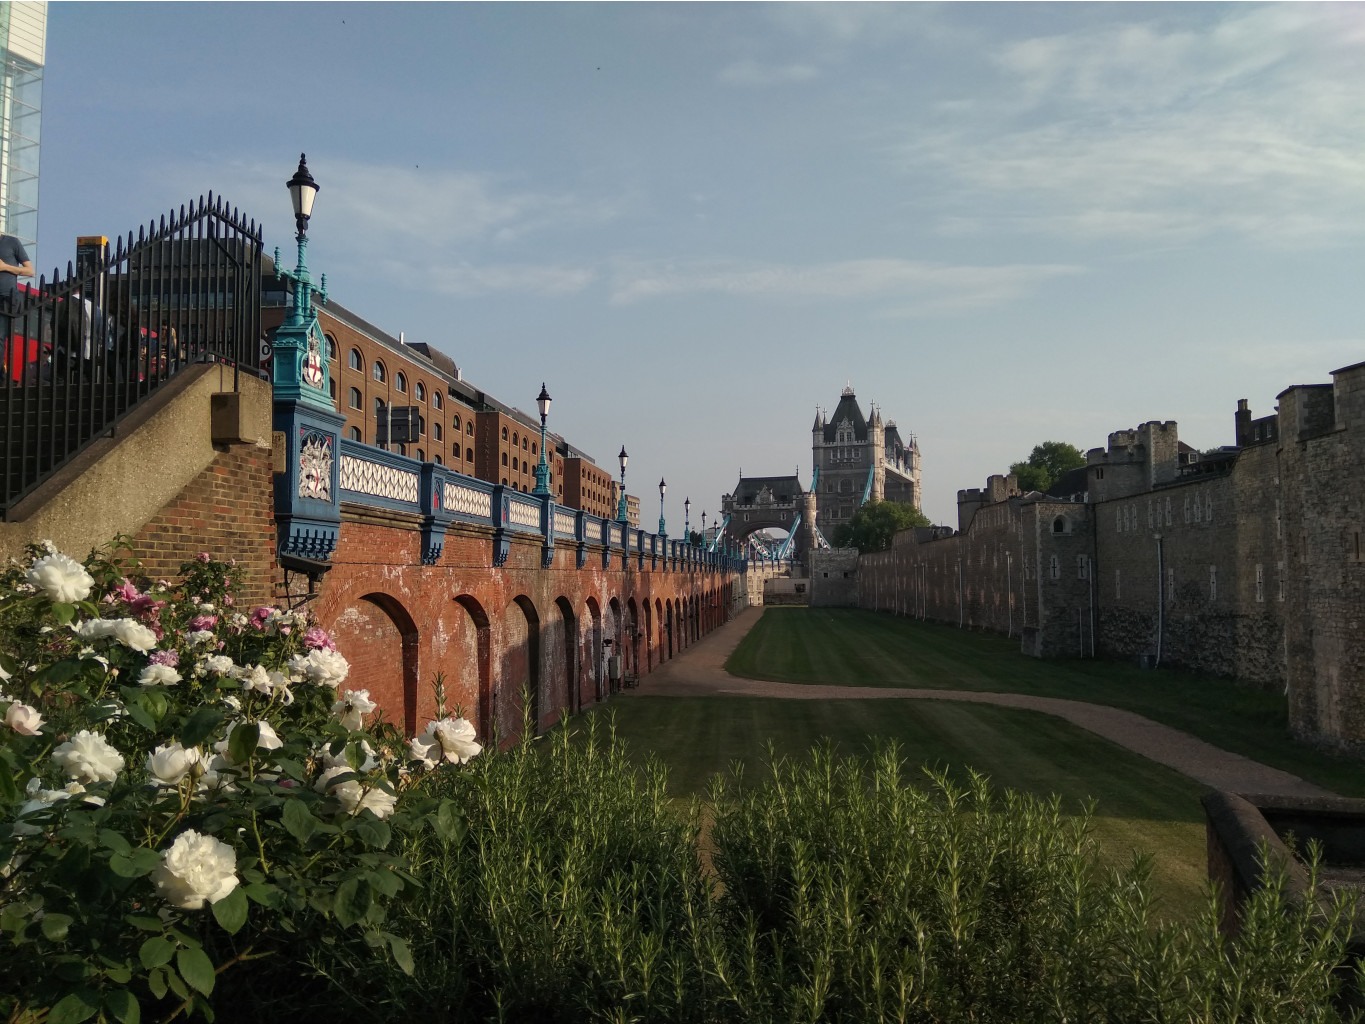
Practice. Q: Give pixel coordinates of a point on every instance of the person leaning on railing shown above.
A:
(14, 264)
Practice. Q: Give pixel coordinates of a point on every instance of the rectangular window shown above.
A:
(1279, 571)
(1118, 584)
(1055, 567)
(1168, 511)
(1082, 568)
(1187, 508)
(1208, 506)
(1198, 510)
(1151, 521)
(1260, 582)
(1170, 584)
(1213, 583)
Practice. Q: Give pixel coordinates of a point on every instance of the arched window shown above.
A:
(421, 455)
(504, 481)
(357, 360)
(438, 460)
(401, 382)
(456, 425)
(332, 388)
(515, 467)
(504, 461)
(355, 433)
(469, 429)
(514, 439)
(420, 392)
(356, 400)
(421, 426)
(469, 455)
(523, 444)
(379, 373)
(402, 448)
(436, 398)
(533, 447)
(331, 348)
(504, 433)
(379, 407)
(436, 432)
(1059, 525)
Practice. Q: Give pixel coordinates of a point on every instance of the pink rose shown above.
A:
(203, 556)
(203, 622)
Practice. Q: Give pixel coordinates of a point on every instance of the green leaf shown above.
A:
(197, 727)
(387, 883)
(292, 768)
(123, 1005)
(79, 1005)
(231, 911)
(63, 613)
(115, 841)
(372, 832)
(135, 863)
(156, 983)
(196, 968)
(55, 926)
(176, 985)
(155, 703)
(139, 715)
(352, 903)
(242, 742)
(156, 951)
(402, 956)
(265, 894)
(298, 820)
(9, 792)
(144, 923)
(59, 671)
(449, 821)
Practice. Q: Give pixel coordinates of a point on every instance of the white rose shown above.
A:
(206, 609)
(4, 676)
(23, 719)
(353, 705)
(128, 632)
(267, 740)
(199, 636)
(450, 739)
(196, 868)
(219, 664)
(158, 675)
(354, 796)
(39, 800)
(88, 757)
(329, 760)
(254, 678)
(169, 764)
(61, 578)
(326, 668)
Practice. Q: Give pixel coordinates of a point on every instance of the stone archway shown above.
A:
(378, 637)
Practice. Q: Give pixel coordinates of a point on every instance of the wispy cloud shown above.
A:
(754, 73)
(1254, 125)
(931, 286)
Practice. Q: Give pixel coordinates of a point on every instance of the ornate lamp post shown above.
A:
(300, 363)
(662, 487)
(687, 522)
(703, 528)
(621, 508)
(542, 468)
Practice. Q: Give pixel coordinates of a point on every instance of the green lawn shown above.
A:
(852, 647)
(1141, 805)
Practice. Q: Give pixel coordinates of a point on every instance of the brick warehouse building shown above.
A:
(1245, 561)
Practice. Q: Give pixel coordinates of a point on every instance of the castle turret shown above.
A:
(876, 431)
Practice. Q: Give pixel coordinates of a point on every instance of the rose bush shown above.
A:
(184, 786)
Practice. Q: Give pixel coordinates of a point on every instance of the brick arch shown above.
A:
(592, 643)
(668, 625)
(518, 668)
(376, 633)
(480, 687)
(648, 633)
(563, 659)
(659, 628)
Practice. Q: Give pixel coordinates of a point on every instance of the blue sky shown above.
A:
(1004, 224)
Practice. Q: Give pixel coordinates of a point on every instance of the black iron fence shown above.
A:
(83, 351)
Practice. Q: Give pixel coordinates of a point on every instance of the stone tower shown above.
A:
(855, 456)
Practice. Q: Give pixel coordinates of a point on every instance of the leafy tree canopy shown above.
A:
(873, 525)
(1046, 464)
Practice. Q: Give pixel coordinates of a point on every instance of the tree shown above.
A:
(873, 525)
(1046, 464)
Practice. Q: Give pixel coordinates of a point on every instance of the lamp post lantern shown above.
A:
(621, 508)
(542, 468)
(662, 487)
(703, 529)
(300, 355)
(687, 521)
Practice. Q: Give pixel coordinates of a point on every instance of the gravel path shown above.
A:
(700, 672)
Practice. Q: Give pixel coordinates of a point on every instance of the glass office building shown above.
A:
(23, 40)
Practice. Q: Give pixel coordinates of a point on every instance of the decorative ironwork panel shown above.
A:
(467, 501)
(524, 514)
(615, 535)
(381, 481)
(564, 524)
(315, 466)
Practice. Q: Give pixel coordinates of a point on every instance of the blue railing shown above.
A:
(383, 479)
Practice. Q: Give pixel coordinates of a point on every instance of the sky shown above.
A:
(1004, 224)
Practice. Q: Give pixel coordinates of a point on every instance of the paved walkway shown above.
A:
(700, 672)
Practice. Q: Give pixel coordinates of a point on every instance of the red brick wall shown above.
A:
(228, 511)
(381, 658)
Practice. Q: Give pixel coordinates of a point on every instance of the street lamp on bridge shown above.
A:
(542, 468)
(703, 528)
(621, 508)
(662, 487)
(687, 522)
